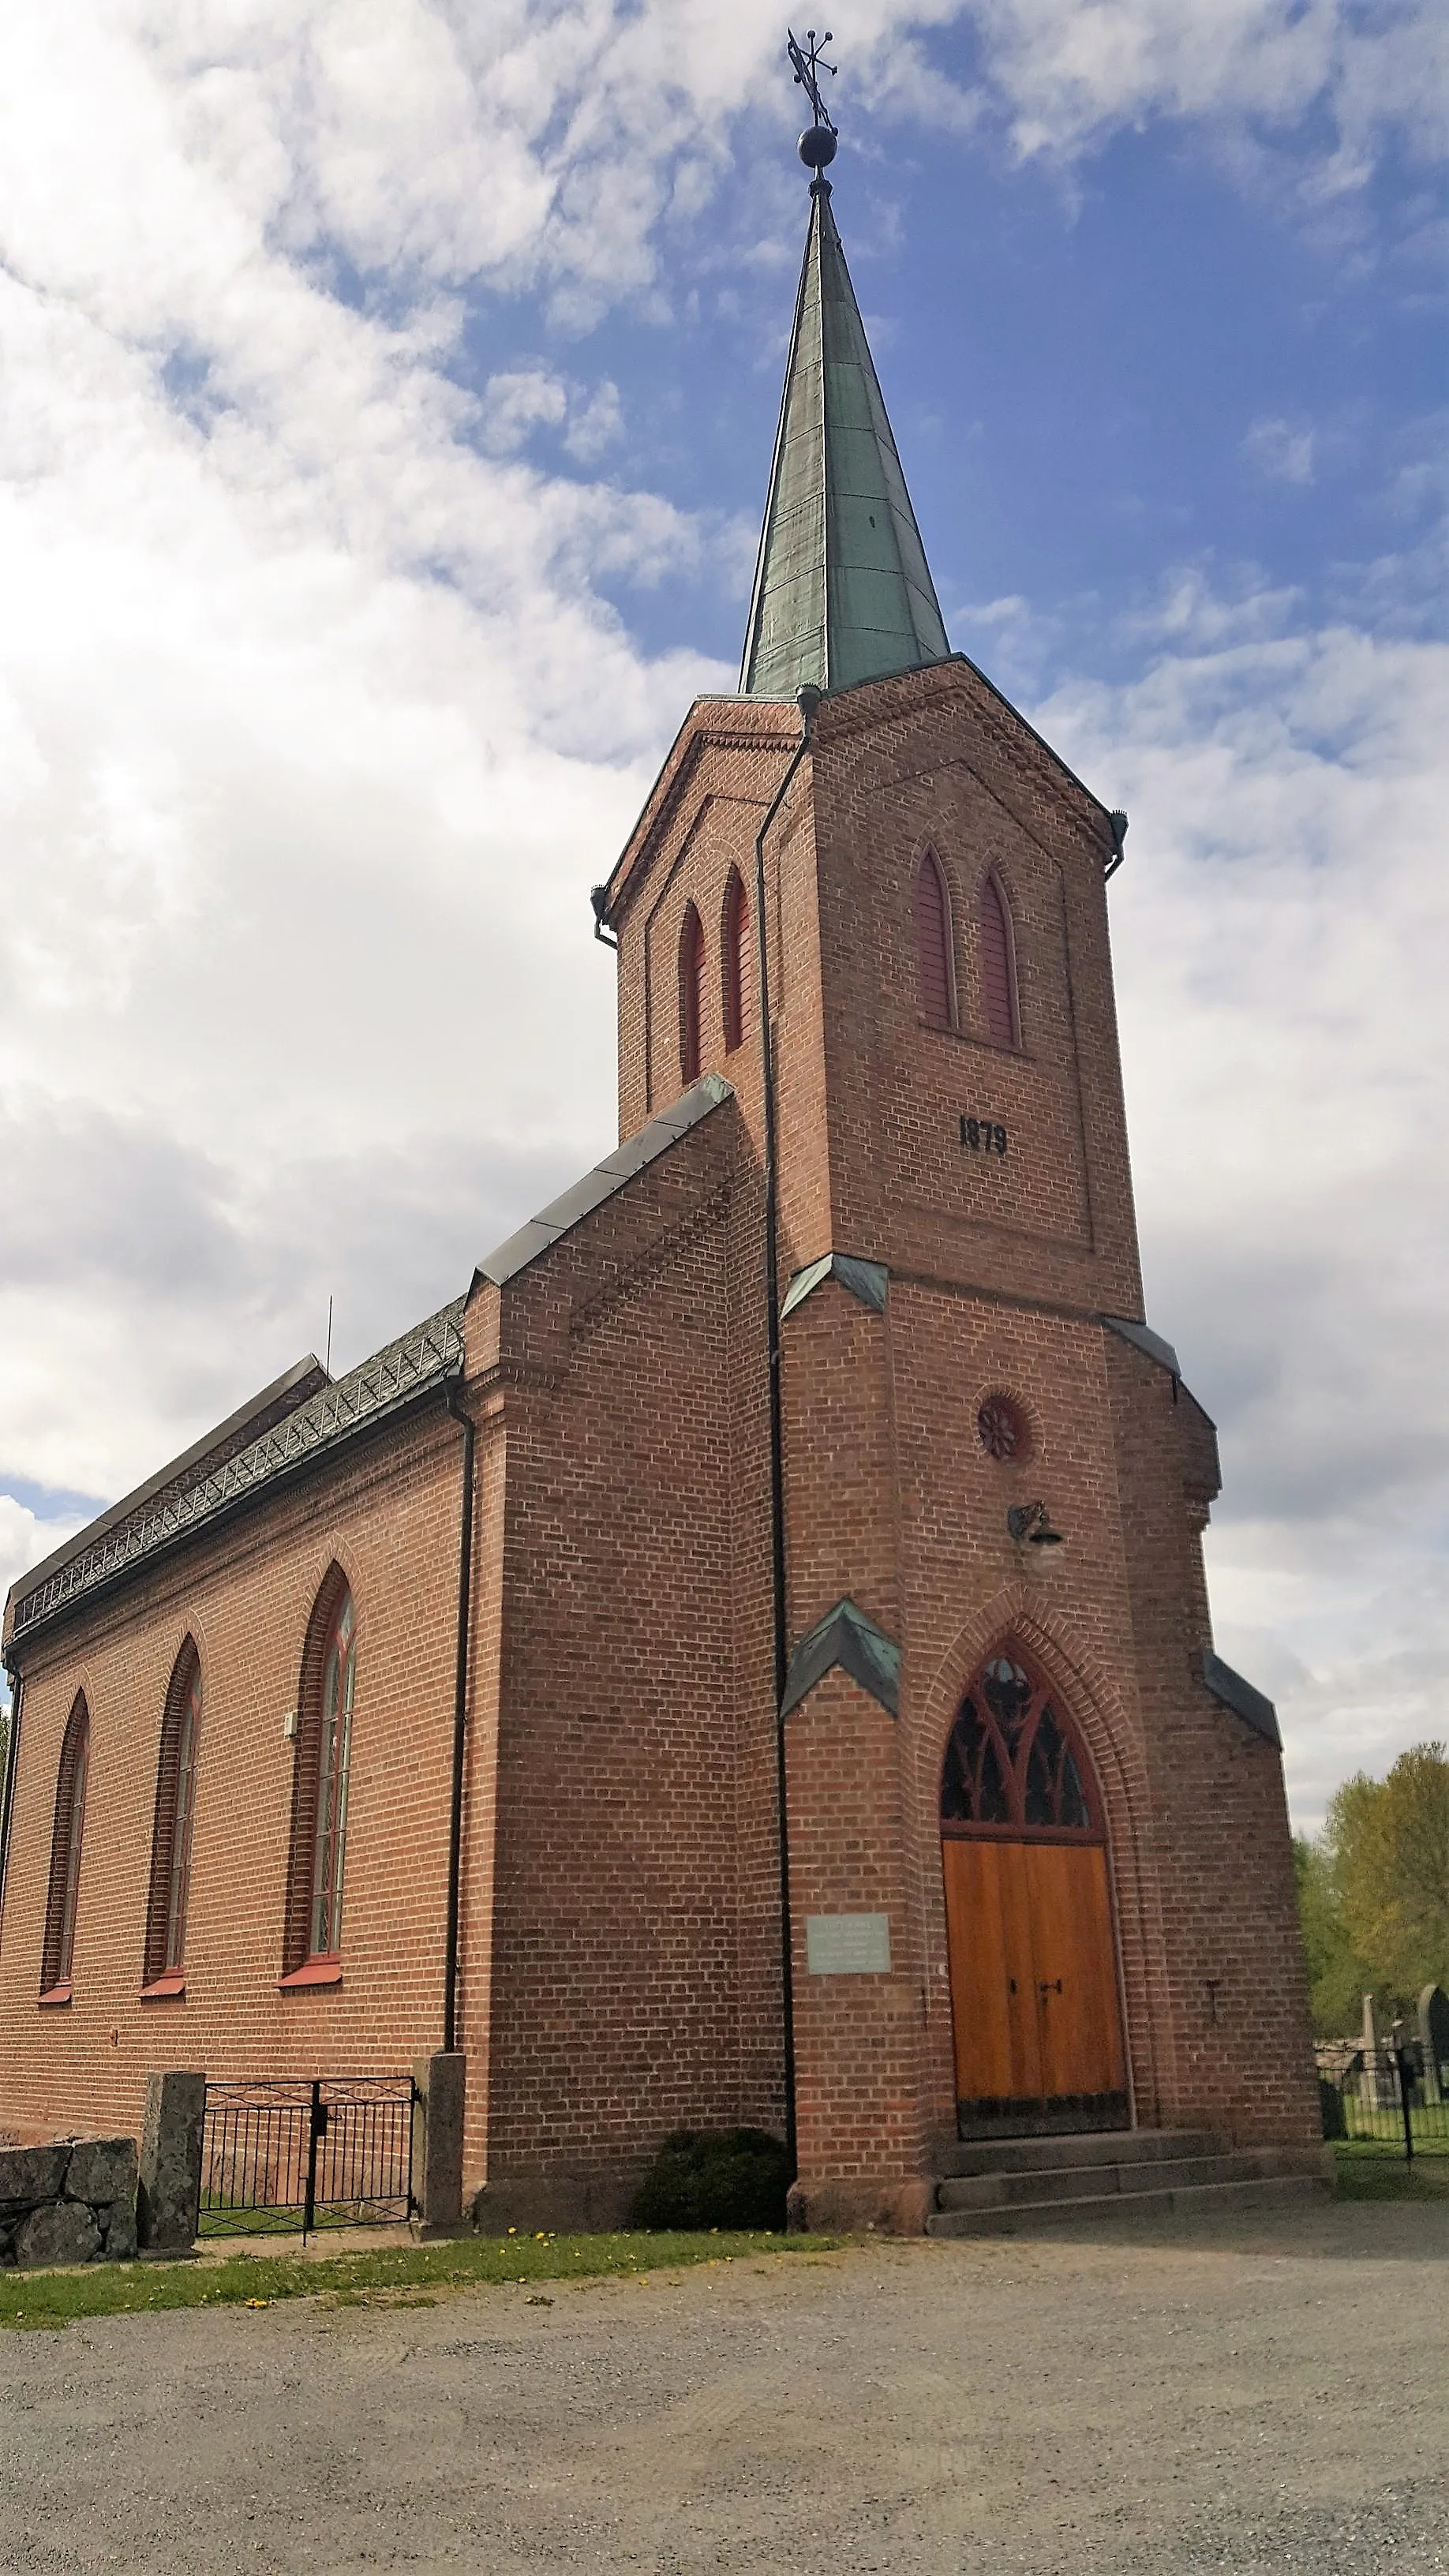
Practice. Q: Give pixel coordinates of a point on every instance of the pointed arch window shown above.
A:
(933, 945)
(65, 1856)
(165, 1961)
(691, 993)
(998, 965)
(732, 960)
(313, 1937)
(1015, 1764)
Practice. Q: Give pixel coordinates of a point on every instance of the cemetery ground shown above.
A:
(1255, 2394)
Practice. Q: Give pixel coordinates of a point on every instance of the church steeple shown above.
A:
(843, 591)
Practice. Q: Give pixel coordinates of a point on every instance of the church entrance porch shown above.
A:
(1036, 2019)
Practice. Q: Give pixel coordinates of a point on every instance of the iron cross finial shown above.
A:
(808, 63)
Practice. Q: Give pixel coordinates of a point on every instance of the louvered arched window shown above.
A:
(998, 965)
(691, 993)
(313, 1935)
(65, 1856)
(171, 1836)
(734, 926)
(933, 945)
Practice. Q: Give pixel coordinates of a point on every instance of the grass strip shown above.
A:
(1366, 2169)
(54, 2299)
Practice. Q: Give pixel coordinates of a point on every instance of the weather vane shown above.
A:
(817, 145)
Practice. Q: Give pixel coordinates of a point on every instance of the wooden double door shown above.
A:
(1033, 1983)
(1037, 2025)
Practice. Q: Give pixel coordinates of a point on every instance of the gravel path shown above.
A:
(1266, 2395)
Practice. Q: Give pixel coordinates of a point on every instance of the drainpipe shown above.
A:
(12, 1759)
(460, 1718)
(808, 701)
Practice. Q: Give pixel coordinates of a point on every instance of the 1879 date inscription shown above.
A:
(983, 1135)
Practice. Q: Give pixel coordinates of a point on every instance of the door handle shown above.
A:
(1044, 1988)
(1011, 1985)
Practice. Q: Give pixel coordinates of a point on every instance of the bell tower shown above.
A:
(1037, 1871)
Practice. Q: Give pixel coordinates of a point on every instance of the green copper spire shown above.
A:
(843, 591)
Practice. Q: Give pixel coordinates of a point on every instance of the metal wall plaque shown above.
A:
(848, 1945)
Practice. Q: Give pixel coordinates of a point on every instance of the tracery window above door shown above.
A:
(1015, 1765)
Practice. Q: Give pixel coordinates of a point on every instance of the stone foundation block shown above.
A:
(581, 2204)
(118, 2231)
(896, 2207)
(438, 2141)
(30, 2174)
(102, 2169)
(169, 2197)
(63, 2231)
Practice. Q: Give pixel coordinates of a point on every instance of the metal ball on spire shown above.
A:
(817, 146)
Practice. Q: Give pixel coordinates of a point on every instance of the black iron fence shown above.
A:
(298, 2151)
(1387, 2096)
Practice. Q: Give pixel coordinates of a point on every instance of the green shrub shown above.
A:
(715, 2178)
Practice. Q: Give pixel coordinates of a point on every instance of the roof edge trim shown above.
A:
(381, 1386)
(869, 1281)
(845, 1636)
(200, 1449)
(1231, 1692)
(562, 1214)
(1143, 1338)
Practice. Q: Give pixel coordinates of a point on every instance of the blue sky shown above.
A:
(1095, 373)
(389, 400)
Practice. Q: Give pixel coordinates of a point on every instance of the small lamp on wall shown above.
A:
(1031, 1521)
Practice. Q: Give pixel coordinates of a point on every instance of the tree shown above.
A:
(1381, 1898)
(1337, 1979)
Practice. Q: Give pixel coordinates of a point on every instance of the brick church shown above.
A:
(746, 1658)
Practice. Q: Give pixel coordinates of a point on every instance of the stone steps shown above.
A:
(1141, 2175)
(1076, 2148)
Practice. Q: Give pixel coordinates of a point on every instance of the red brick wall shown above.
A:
(1001, 1269)
(634, 1943)
(389, 1517)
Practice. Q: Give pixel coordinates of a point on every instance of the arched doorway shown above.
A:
(1038, 2028)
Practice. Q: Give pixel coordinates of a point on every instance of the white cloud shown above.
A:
(517, 404)
(24, 1539)
(1281, 935)
(1072, 70)
(154, 158)
(1279, 452)
(596, 423)
(314, 731)
(315, 727)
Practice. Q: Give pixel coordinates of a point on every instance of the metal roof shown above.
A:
(1143, 1338)
(843, 591)
(845, 1636)
(382, 1385)
(867, 1280)
(168, 1507)
(1231, 1691)
(291, 1389)
(600, 1184)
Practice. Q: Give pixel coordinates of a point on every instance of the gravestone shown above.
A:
(1374, 2088)
(1434, 2041)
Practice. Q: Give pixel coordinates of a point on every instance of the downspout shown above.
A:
(12, 1759)
(460, 1719)
(808, 701)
